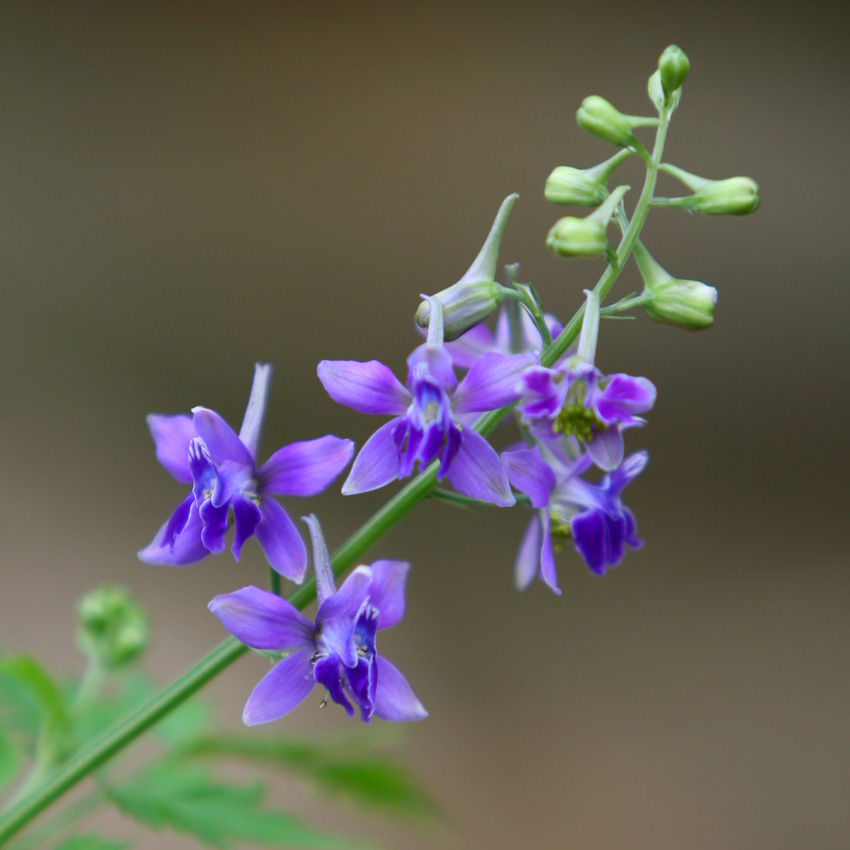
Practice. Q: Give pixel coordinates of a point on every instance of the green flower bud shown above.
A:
(582, 187)
(577, 237)
(686, 303)
(599, 118)
(476, 295)
(673, 65)
(732, 196)
(113, 627)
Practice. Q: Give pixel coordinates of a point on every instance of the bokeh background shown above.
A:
(187, 188)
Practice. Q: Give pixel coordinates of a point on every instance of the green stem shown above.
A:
(123, 733)
(274, 581)
(42, 834)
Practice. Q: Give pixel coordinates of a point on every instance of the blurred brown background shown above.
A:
(187, 188)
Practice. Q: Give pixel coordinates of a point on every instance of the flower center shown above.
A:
(575, 418)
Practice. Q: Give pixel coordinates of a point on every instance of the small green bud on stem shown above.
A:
(673, 66)
(584, 237)
(582, 187)
(732, 196)
(113, 627)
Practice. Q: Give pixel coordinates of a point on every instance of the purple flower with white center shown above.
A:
(576, 399)
(428, 415)
(568, 506)
(204, 451)
(337, 651)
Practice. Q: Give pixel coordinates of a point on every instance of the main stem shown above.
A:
(123, 733)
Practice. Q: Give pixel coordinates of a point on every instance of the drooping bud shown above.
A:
(476, 295)
(732, 196)
(686, 303)
(673, 65)
(584, 237)
(582, 187)
(599, 118)
(113, 627)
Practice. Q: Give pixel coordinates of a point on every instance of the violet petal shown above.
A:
(394, 698)
(386, 592)
(252, 422)
(221, 439)
(326, 673)
(246, 516)
(284, 687)
(477, 471)
(492, 382)
(606, 448)
(281, 542)
(306, 468)
(369, 387)
(347, 600)
(547, 556)
(186, 548)
(377, 464)
(527, 471)
(527, 562)
(171, 436)
(337, 634)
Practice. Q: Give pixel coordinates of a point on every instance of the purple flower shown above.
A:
(427, 418)
(337, 651)
(576, 399)
(569, 506)
(204, 451)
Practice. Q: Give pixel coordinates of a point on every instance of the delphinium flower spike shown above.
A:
(337, 651)
(426, 423)
(204, 451)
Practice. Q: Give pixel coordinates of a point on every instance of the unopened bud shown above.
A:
(673, 66)
(582, 187)
(113, 627)
(577, 237)
(686, 303)
(599, 118)
(732, 196)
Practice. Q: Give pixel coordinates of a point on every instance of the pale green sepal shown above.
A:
(686, 303)
(476, 295)
(582, 187)
(657, 96)
(589, 327)
(607, 209)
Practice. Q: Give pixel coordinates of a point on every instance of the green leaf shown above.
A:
(187, 800)
(336, 767)
(10, 760)
(91, 842)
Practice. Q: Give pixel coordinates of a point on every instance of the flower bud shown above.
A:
(577, 237)
(113, 627)
(599, 118)
(582, 187)
(686, 303)
(673, 66)
(471, 300)
(732, 196)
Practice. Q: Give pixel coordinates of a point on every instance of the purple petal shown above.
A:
(394, 698)
(631, 530)
(326, 673)
(622, 396)
(492, 382)
(632, 466)
(221, 439)
(252, 423)
(439, 364)
(214, 519)
(247, 517)
(468, 347)
(336, 634)
(547, 556)
(528, 556)
(543, 392)
(588, 530)
(386, 593)
(527, 471)
(186, 548)
(368, 387)
(171, 436)
(263, 620)
(285, 686)
(347, 600)
(362, 680)
(477, 471)
(377, 464)
(606, 448)
(280, 540)
(325, 584)
(305, 469)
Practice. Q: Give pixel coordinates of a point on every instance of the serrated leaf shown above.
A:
(187, 800)
(91, 842)
(336, 767)
(10, 760)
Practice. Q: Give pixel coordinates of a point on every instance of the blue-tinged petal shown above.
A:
(477, 471)
(336, 638)
(468, 347)
(215, 526)
(347, 600)
(247, 517)
(326, 672)
(386, 593)
(547, 556)
(263, 620)
(631, 530)
(252, 423)
(284, 687)
(438, 362)
(186, 548)
(325, 584)
(622, 396)
(221, 439)
(202, 470)
(171, 436)
(527, 471)
(362, 681)
(369, 387)
(632, 466)
(606, 448)
(281, 542)
(305, 469)
(588, 531)
(394, 698)
(527, 562)
(492, 382)
(377, 464)
(543, 392)
(177, 522)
